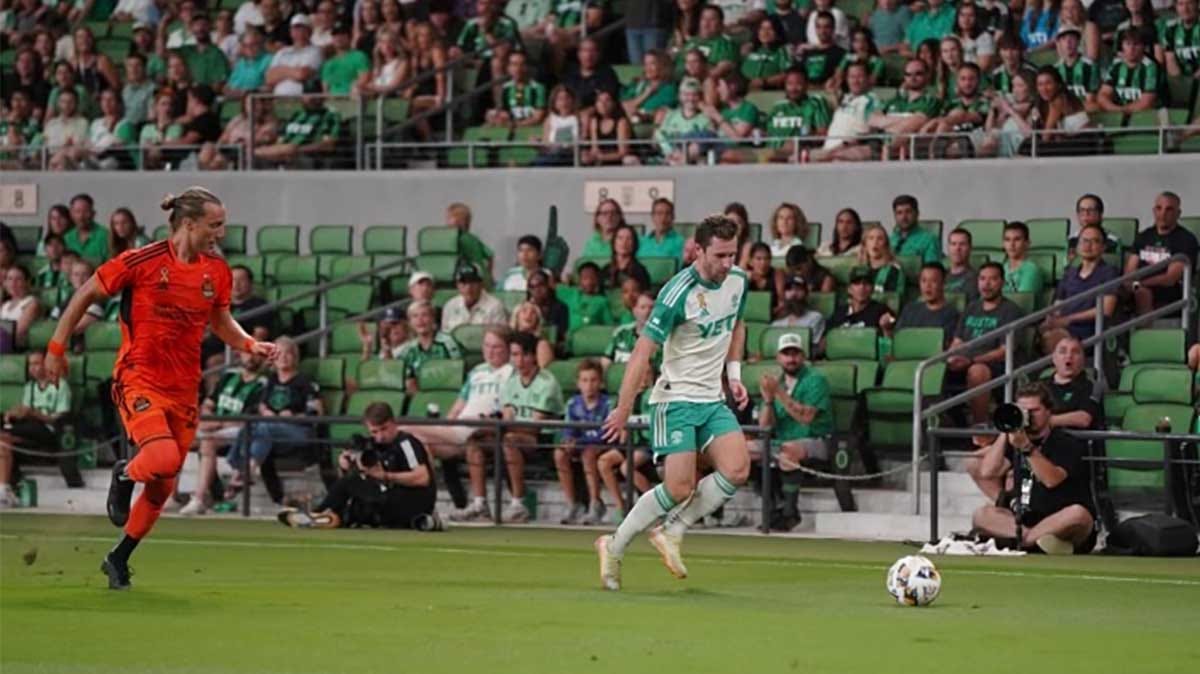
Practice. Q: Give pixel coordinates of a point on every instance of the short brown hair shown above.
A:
(716, 227)
(590, 364)
(378, 413)
(1037, 390)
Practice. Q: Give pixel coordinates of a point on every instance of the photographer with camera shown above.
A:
(387, 482)
(1048, 505)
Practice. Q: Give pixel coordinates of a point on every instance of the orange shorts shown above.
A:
(161, 427)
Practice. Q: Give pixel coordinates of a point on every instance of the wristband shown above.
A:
(248, 345)
(56, 348)
(734, 369)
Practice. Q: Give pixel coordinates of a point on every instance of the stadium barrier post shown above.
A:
(933, 487)
(1098, 348)
(1010, 343)
(251, 131)
(498, 472)
(323, 340)
(449, 100)
(1033, 137)
(379, 133)
(766, 488)
(249, 432)
(630, 491)
(359, 150)
(1161, 138)
(471, 156)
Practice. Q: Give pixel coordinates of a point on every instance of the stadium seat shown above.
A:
(661, 269)
(911, 266)
(27, 238)
(295, 269)
(768, 341)
(334, 401)
(1157, 349)
(381, 374)
(890, 405)
(10, 395)
(1124, 229)
(329, 372)
(752, 372)
(161, 232)
(934, 227)
(986, 235)
(440, 375)
(103, 336)
(351, 299)
(257, 265)
(754, 332)
(40, 333)
(479, 141)
(470, 337)
(823, 303)
(278, 239)
(344, 339)
(758, 306)
(590, 340)
(234, 242)
(439, 240)
(419, 403)
(443, 295)
(764, 100)
(564, 371)
(1192, 224)
(523, 148)
(1047, 233)
(839, 267)
(917, 343)
(12, 370)
(357, 403)
(844, 395)
(858, 346)
(385, 240)
(343, 266)
(612, 378)
(442, 267)
(99, 366)
(1145, 415)
(510, 298)
(627, 72)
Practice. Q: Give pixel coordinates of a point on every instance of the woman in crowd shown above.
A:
(766, 58)
(93, 70)
(160, 129)
(1057, 109)
(647, 99)
(765, 278)
(847, 234)
(950, 59)
(978, 46)
(526, 317)
(124, 233)
(623, 263)
(427, 56)
(862, 50)
(876, 253)
(1011, 120)
(789, 227)
(605, 221)
(110, 137)
(58, 221)
(608, 134)
(22, 306)
(1074, 14)
(390, 68)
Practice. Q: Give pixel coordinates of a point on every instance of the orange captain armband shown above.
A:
(56, 348)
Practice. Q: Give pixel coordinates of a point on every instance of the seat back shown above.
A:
(851, 344)
(986, 234)
(660, 269)
(440, 375)
(385, 240)
(103, 336)
(590, 340)
(1157, 345)
(1145, 418)
(438, 240)
(469, 337)
(917, 343)
(381, 374)
(1159, 385)
(330, 239)
(278, 239)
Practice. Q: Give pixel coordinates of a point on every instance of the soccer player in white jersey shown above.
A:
(697, 319)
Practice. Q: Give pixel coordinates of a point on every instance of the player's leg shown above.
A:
(995, 521)
(726, 449)
(566, 481)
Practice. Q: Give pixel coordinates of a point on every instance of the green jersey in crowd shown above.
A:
(716, 50)
(676, 126)
(664, 96)
(584, 309)
(979, 106)
(917, 241)
(766, 62)
(811, 388)
(1081, 77)
(208, 67)
(1130, 82)
(52, 399)
(541, 394)
(926, 104)
(473, 38)
(413, 355)
(339, 73)
(791, 119)
(522, 100)
(306, 126)
(1026, 278)
(1184, 42)
(237, 395)
(94, 249)
(1001, 79)
(875, 65)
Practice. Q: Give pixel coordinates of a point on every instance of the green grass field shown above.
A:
(215, 596)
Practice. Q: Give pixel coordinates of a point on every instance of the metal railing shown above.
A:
(1008, 333)
(128, 157)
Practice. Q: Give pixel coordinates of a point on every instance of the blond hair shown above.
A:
(863, 257)
(190, 204)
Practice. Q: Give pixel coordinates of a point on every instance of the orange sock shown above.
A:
(148, 507)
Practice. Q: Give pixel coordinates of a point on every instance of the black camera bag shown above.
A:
(1153, 535)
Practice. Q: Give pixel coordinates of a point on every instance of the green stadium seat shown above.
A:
(329, 372)
(1107, 120)
(1124, 229)
(348, 265)
(330, 239)
(295, 269)
(856, 345)
(768, 341)
(438, 240)
(469, 337)
(480, 153)
(99, 365)
(598, 261)
(1191, 224)
(12, 371)
(443, 295)
(257, 265)
(843, 392)
(917, 343)
(442, 267)
(823, 303)
(758, 307)
(357, 403)
(10, 395)
(660, 269)
(812, 240)
(564, 371)
(103, 336)
(381, 374)
(161, 232)
(911, 266)
(278, 239)
(627, 72)
(839, 267)
(333, 400)
(40, 333)
(934, 227)
(385, 240)
(1156, 349)
(440, 375)
(344, 339)
(889, 406)
(752, 372)
(1145, 418)
(115, 48)
(351, 299)
(754, 331)
(418, 404)
(27, 238)
(590, 340)
(612, 378)
(234, 242)
(523, 148)
(764, 100)
(985, 234)
(1048, 233)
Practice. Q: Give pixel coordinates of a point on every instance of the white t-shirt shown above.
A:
(12, 310)
(850, 119)
(138, 9)
(292, 57)
(481, 390)
(247, 14)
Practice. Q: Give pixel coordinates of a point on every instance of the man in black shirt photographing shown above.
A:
(1049, 505)
(387, 482)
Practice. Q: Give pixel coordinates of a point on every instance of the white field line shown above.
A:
(722, 561)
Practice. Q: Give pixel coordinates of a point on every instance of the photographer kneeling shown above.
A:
(386, 482)
(1049, 497)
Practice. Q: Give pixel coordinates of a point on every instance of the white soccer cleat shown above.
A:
(668, 548)
(515, 513)
(610, 565)
(195, 506)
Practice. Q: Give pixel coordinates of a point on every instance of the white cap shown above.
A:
(790, 340)
(301, 20)
(418, 276)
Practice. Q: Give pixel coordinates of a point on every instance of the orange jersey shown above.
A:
(166, 305)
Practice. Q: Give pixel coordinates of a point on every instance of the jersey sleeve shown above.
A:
(665, 316)
(116, 275)
(745, 293)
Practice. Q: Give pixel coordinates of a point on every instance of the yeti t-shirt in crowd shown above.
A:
(977, 321)
(1151, 247)
(299, 395)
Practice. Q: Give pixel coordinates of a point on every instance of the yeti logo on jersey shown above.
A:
(206, 288)
(717, 327)
(676, 437)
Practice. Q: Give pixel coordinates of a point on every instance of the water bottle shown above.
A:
(27, 493)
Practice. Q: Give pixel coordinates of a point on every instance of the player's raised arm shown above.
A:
(88, 294)
(635, 371)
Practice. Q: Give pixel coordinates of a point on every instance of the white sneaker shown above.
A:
(8, 498)
(595, 513)
(476, 510)
(668, 548)
(610, 565)
(516, 513)
(577, 511)
(195, 506)
(1053, 545)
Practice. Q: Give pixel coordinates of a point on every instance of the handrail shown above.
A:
(1008, 331)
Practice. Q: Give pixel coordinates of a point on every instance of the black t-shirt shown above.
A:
(604, 78)
(1151, 247)
(207, 125)
(406, 453)
(1074, 396)
(613, 277)
(299, 394)
(558, 316)
(1067, 453)
(918, 315)
(820, 64)
(266, 319)
(868, 317)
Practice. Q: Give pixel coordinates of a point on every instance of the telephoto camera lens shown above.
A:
(1009, 418)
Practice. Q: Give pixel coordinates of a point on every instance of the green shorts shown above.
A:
(683, 426)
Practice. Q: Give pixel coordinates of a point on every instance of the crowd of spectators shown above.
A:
(729, 81)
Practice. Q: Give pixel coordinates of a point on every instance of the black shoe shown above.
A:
(118, 573)
(120, 493)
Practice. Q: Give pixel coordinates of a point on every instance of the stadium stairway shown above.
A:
(884, 513)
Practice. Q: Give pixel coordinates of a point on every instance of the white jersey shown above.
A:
(693, 320)
(481, 390)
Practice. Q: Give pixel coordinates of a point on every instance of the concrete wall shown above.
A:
(511, 202)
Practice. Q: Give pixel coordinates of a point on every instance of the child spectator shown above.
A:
(1021, 275)
(470, 248)
(590, 405)
(620, 346)
(586, 303)
(529, 260)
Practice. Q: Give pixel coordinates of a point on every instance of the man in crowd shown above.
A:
(1081, 74)
(798, 114)
(859, 310)
(427, 343)
(961, 277)
(1079, 318)
(851, 119)
(798, 408)
(822, 58)
(1179, 47)
(991, 311)
(1021, 274)
(242, 300)
(797, 312)
(529, 260)
(908, 237)
(662, 240)
(529, 394)
(249, 72)
(87, 238)
(473, 305)
(206, 62)
(589, 76)
(388, 483)
(1051, 499)
(523, 100)
(1155, 244)
(343, 68)
(911, 109)
(310, 133)
(1134, 80)
(931, 310)
(294, 66)
(1072, 392)
(32, 424)
(719, 51)
(554, 311)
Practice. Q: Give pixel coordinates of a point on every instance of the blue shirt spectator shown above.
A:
(577, 410)
(889, 24)
(249, 72)
(1038, 26)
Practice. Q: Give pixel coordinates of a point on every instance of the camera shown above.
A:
(368, 454)
(1010, 418)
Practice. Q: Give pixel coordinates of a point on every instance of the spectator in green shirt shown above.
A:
(936, 22)
(662, 240)
(1021, 275)
(87, 238)
(679, 130)
(605, 220)
(310, 133)
(339, 72)
(719, 51)
(206, 62)
(912, 107)
(31, 422)
(765, 60)
(908, 238)
(736, 118)
(797, 405)
(648, 98)
(470, 248)
(586, 303)
(1134, 80)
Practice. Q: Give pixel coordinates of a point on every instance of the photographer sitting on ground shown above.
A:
(386, 482)
(1051, 498)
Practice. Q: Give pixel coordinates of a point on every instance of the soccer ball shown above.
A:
(914, 581)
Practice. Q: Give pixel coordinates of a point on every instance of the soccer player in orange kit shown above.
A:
(170, 292)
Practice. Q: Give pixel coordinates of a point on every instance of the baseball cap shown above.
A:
(418, 276)
(796, 282)
(467, 274)
(860, 274)
(790, 340)
(1068, 28)
(141, 25)
(300, 20)
(391, 315)
(690, 84)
